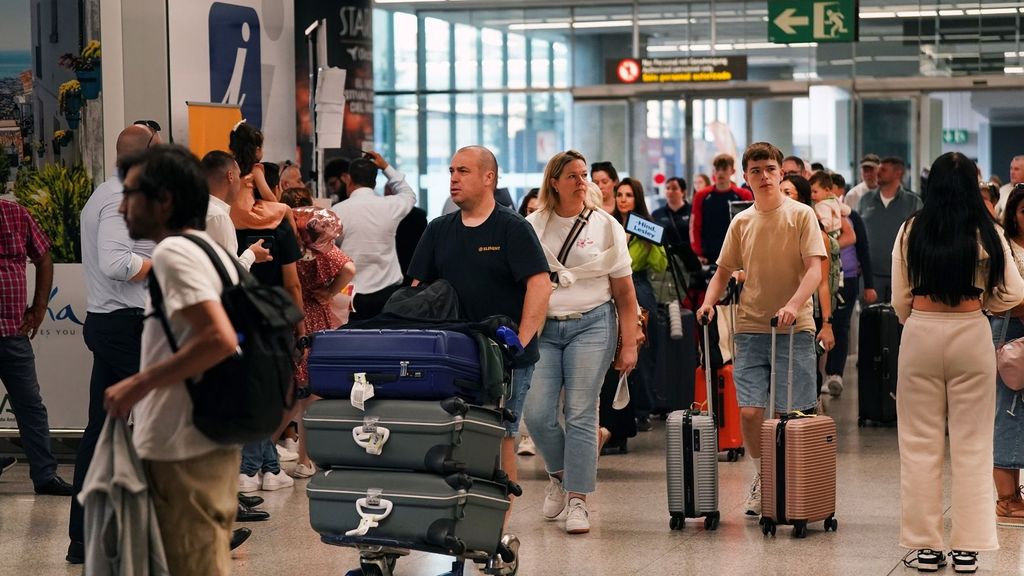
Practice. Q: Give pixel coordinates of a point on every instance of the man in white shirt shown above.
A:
(1016, 177)
(115, 267)
(370, 222)
(165, 194)
(869, 181)
(225, 182)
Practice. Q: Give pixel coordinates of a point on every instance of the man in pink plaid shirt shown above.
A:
(22, 240)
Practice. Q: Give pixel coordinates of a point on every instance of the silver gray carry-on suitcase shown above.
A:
(440, 437)
(692, 460)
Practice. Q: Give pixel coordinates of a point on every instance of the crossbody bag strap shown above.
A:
(574, 234)
(1006, 325)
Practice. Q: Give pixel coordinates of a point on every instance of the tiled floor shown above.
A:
(630, 524)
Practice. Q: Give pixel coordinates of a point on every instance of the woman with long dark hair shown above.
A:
(256, 206)
(1007, 449)
(949, 263)
(606, 177)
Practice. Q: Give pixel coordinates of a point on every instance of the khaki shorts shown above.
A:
(196, 501)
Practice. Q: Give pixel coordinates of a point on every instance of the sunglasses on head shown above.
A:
(151, 124)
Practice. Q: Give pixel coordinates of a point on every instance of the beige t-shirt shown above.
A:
(771, 247)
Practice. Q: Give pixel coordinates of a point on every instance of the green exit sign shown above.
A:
(954, 136)
(792, 21)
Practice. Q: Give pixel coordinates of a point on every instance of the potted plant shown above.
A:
(69, 101)
(40, 148)
(86, 68)
(62, 137)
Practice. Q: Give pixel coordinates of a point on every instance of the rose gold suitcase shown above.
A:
(798, 464)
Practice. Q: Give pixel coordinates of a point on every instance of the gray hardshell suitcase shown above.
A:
(692, 461)
(441, 437)
(449, 515)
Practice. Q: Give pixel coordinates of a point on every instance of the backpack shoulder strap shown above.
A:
(215, 259)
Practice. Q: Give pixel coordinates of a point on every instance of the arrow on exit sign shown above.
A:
(793, 21)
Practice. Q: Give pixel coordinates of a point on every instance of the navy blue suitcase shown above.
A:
(399, 364)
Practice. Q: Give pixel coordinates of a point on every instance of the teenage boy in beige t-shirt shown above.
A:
(778, 245)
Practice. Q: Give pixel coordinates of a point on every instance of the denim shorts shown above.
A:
(521, 378)
(752, 370)
(1008, 437)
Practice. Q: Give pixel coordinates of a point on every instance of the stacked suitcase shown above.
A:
(798, 463)
(410, 459)
(692, 461)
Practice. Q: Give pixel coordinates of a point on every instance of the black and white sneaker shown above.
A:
(964, 561)
(927, 560)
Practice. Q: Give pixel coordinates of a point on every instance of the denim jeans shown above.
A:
(752, 370)
(18, 375)
(260, 457)
(1008, 444)
(836, 363)
(521, 378)
(574, 355)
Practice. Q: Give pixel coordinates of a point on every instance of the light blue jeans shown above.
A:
(574, 356)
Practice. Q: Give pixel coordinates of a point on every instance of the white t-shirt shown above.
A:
(587, 293)
(163, 418)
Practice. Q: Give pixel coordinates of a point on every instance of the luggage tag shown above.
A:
(370, 436)
(367, 520)
(362, 391)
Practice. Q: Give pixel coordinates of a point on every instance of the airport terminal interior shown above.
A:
(657, 88)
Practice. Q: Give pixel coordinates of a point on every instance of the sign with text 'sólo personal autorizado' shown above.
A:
(691, 69)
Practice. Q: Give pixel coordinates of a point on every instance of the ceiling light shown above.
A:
(699, 47)
(951, 12)
(918, 14)
(869, 15)
(723, 46)
(663, 48)
(603, 24)
(540, 26)
(1014, 54)
(1013, 70)
(989, 11)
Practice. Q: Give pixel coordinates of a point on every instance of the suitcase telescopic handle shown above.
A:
(706, 323)
(772, 377)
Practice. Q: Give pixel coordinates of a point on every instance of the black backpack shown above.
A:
(243, 398)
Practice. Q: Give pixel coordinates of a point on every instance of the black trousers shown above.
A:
(367, 306)
(115, 340)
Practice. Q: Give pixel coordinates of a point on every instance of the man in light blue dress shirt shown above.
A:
(115, 270)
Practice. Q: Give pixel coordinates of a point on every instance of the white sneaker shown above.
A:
(527, 447)
(753, 503)
(303, 471)
(286, 455)
(577, 521)
(277, 481)
(834, 384)
(248, 483)
(554, 499)
(289, 444)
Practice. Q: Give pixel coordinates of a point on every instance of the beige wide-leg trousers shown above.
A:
(947, 372)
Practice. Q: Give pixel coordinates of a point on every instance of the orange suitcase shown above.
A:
(798, 464)
(725, 408)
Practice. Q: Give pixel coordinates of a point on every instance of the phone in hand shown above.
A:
(820, 348)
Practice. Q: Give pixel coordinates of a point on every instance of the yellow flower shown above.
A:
(92, 50)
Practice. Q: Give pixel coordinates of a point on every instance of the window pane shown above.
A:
(438, 152)
(561, 64)
(516, 61)
(467, 120)
(465, 57)
(438, 64)
(384, 65)
(540, 64)
(493, 58)
(405, 51)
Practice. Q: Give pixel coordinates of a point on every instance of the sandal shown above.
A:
(928, 560)
(1010, 511)
(964, 561)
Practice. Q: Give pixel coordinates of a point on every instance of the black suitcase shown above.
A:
(675, 362)
(877, 360)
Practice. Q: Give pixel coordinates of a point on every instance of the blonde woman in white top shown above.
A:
(578, 341)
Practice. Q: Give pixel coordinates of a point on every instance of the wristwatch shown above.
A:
(828, 320)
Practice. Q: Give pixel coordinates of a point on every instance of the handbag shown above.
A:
(1010, 359)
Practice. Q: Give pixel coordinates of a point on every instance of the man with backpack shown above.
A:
(192, 477)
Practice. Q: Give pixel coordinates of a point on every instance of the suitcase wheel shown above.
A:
(711, 521)
(831, 524)
(767, 526)
(677, 523)
(800, 529)
(860, 422)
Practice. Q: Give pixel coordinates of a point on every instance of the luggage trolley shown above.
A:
(379, 556)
